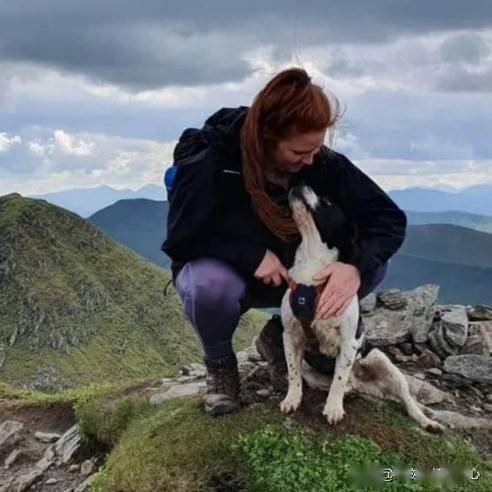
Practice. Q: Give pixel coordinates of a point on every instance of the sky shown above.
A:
(98, 92)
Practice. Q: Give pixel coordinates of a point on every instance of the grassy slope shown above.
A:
(84, 308)
(177, 447)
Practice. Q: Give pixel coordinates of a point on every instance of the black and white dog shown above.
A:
(327, 237)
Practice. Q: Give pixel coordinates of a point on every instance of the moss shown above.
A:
(178, 447)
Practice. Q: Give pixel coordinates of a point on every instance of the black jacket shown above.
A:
(211, 213)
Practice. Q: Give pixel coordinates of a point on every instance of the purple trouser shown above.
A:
(214, 297)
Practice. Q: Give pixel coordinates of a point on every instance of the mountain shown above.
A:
(86, 201)
(76, 307)
(456, 258)
(475, 199)
(458, 283)
(472, 221)
(139, 224)
(449, 243)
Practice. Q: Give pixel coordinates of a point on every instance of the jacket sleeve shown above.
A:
(191, 228)
(381, 224)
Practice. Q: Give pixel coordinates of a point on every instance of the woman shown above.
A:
(230, 234)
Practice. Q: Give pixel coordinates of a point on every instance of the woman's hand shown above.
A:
(272, 270)
(342, 286)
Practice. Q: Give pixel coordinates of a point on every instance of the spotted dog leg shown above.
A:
(333, 410)
(294, 353)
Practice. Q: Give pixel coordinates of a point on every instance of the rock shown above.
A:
(439, 343)
(368, 304)
(455, 324)
(420, 348)
(426, 393)
(24, 481)
(176, 391)
(406, 348)
(475, 344)
(263, 392)
(12, 457)
(428, 359)
(456, 380)
(68, 444)
(6, 487)
(86, 468)
(480, 313)
(194, 370)
(382, 331)
(9, 434)
(487, 407)
(84, 486)
(482, 330)
(51, 481)
(73, 468)
(46, 437)
(390, 326)
(392, 299)
(471, 366)
(242, 357)
(434, 371)
(489, 397)
(419, 375)
(184, 379)
(421, 307)
(454, 419)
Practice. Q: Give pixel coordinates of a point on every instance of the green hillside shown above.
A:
(451, 243)
(77, 307)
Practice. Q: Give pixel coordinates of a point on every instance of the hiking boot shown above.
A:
(223, 386)
(270, 346)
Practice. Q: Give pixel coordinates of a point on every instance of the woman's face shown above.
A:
(297, 151)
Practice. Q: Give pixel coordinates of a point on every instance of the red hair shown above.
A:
(290, 103)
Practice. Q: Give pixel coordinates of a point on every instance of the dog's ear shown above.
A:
(349, 247)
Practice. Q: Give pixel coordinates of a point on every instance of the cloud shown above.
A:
(57, 159)
(71, 145)
(6, 141)
(159, 44)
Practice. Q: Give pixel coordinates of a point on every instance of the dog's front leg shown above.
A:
(294, 353)
(333, 410)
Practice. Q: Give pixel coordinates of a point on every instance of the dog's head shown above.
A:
(311, 212)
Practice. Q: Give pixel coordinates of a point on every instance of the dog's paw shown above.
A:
(435, 427)
(333, 414)
(290, 403)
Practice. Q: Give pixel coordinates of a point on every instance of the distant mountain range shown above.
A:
(472, 221)
(86, 201)
(476, 200)
(457, 258)
(472, 200)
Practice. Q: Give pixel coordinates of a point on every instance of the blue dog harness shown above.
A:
(303, 302)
